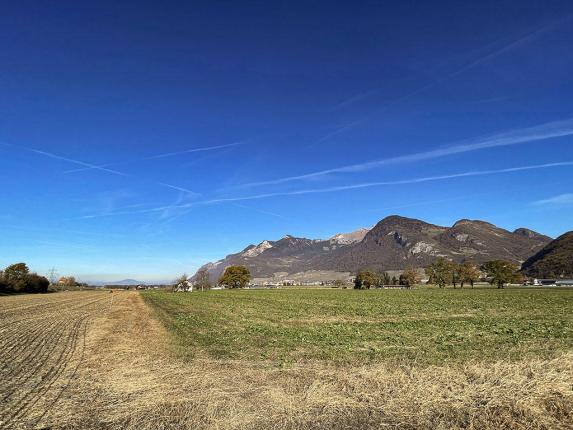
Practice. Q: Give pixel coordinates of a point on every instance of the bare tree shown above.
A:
(202, 279)
(53, 276)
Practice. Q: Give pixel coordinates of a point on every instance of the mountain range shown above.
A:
(394, 243)
(123, 282)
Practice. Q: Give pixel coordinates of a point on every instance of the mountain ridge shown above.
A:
(394, 243)
(555, 260)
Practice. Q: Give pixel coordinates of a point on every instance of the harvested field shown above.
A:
(135, 375)
(42, 341)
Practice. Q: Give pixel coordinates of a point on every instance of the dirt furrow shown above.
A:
(42, 349)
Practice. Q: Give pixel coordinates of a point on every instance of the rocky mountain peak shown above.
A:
(253, 251)
(348, 238)
(473, 223)
(527, 233)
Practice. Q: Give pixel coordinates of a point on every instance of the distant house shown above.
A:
(553, 282)
(185, 287)
(544, 282)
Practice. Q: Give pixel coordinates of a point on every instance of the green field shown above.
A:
(426, 326)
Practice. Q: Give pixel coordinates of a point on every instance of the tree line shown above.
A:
(441, 272)
(17, 278)
(233, 277)
(444, 272)
(366, 279)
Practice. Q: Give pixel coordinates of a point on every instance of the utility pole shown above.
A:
(53, 276)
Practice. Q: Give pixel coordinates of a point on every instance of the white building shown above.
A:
(185, 286)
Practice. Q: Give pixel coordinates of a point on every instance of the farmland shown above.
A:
(348, 326)
(288, 359)
(42, 340)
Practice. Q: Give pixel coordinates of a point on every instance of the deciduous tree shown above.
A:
(384, 279)
(468, 272)
(235, 277)
(440, 272)
(16, 271)
(365, 279)
(500, 272)
(409, 277)
(17, 278)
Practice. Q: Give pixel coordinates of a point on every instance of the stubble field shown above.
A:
(42, 343)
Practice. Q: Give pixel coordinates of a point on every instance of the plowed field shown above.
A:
(42, 345)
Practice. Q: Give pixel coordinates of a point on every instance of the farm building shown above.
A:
(553, 282)
(564, 283)
(185, 286)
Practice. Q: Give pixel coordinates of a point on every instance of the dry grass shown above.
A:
(130, 381)
(42, 341)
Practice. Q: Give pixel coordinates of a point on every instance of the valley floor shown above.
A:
(134, 373)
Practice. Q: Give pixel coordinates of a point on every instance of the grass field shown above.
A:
(347, 326)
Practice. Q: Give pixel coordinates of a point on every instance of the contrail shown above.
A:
(164, 155)
(69, 160)
(187, 151)
(473, 173)
(561, 199)
(514, 137)
(481, 60)
(387, 183)
(94, 167)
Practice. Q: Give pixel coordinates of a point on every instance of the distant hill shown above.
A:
(287, 255)
(393, 244)
(125, 282)
(397, 242)
(554, 261)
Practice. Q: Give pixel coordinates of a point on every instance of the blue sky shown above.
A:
(143, 139)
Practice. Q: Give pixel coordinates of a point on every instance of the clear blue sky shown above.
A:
(142, 139)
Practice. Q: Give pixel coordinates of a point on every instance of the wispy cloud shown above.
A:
(69, 160)
(484, 58)
(355, 98)
(559, 200)
(344, 188)
(514, 137)
(163, 155)
(98, 168)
